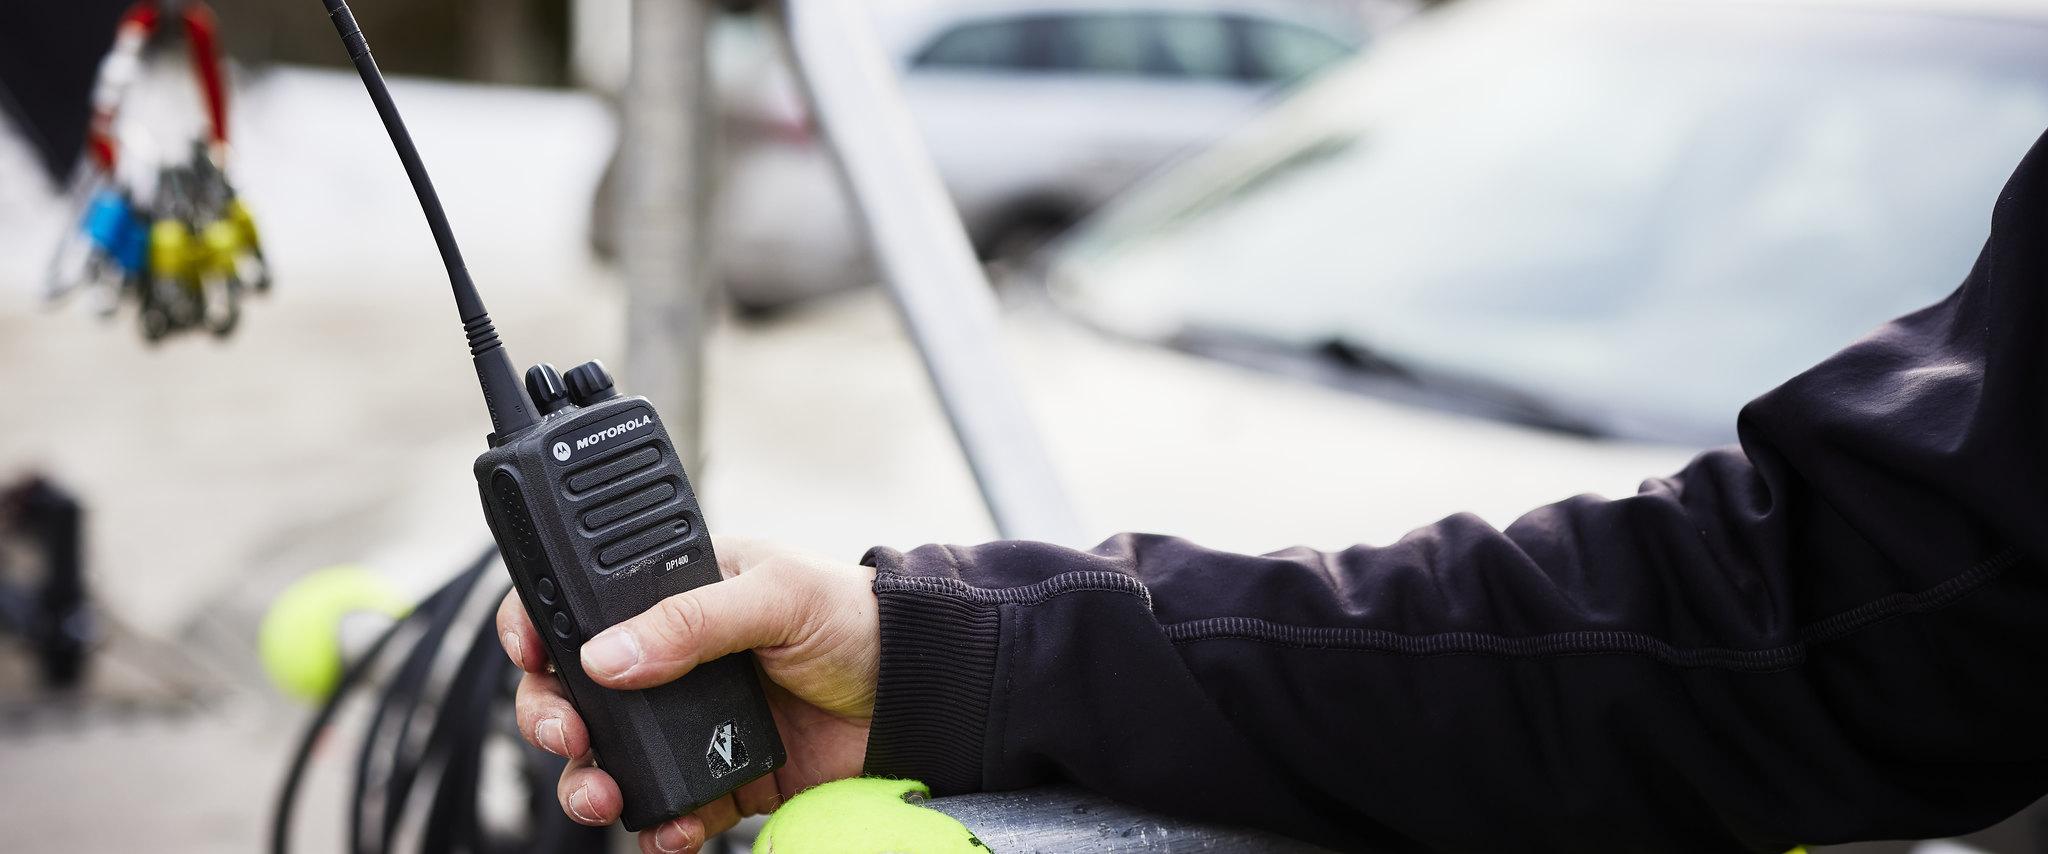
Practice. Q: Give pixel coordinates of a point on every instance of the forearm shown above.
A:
(1494, 724)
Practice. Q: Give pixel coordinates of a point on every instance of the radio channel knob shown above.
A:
(590, 383)
(544, 385)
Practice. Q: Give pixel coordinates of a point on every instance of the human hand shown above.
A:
(814, 627)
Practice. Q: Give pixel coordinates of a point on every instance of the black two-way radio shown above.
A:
(596, 520)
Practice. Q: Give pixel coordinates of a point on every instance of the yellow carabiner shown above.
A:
(170, 248)
(221, 247)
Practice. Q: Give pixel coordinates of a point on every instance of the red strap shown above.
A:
(102, 149)
(143, 14)
(201, 40)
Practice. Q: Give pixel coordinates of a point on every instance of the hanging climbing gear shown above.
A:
(180, 244)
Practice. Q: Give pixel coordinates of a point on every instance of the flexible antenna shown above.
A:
(510, 410)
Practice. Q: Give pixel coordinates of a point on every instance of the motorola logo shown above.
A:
(614, 431)
(562, 451)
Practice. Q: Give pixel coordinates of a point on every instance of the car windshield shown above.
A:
(1642, 214)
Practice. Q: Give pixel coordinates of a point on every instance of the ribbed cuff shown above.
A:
(937, 672)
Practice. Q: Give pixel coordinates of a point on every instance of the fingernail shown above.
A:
(671, 838)
(579, 806)
(549, 733)
(517, 649)
(611, 653)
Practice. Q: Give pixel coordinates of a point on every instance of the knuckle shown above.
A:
(777, 567)
(793, 575)
(681, 621)
(814, 590)
(756, 800)
(529, 706)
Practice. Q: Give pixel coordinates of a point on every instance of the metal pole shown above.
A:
(1067, 820)
(665, 138)
(926, 260)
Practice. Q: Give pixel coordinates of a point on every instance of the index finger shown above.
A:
(516, 633)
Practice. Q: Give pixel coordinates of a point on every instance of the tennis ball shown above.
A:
(300, 639)
(864, 815)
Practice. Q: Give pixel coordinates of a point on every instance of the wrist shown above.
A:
(935, 674)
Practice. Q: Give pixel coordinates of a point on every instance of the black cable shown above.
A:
(401, 695)
(408, 764)
(452, 821)
(288, 796)
(469, 709)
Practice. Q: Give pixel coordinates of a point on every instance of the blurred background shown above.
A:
(1294, 272)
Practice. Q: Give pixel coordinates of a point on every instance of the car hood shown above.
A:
(824, 432)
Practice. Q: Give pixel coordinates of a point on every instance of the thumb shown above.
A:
(690, 628)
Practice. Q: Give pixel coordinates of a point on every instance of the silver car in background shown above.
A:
(1036, 111)
(1607, 217)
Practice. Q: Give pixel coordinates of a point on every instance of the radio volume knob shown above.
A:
(590, 383)
(545, 386)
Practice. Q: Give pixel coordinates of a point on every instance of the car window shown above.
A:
(1144, 44)
(1160, 45)
(1016, 43)
(1195, 46)
(1279, 51)
(1102, 44)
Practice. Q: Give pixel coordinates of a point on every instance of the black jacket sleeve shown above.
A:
(1837, 631)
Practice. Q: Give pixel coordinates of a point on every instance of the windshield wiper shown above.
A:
(1360, 357)
(1352, 364)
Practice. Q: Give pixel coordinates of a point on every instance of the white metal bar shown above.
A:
(1067, 820)
(926, 259)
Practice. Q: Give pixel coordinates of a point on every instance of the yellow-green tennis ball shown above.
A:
(864, 815)
(300, 639)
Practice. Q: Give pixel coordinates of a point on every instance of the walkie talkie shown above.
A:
(596, 520)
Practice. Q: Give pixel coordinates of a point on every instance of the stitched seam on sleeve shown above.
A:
(1008, 677)
(1561, 644)
(1031, 594)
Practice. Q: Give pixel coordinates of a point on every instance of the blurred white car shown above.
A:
(1614, 218)
(1035, 111)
